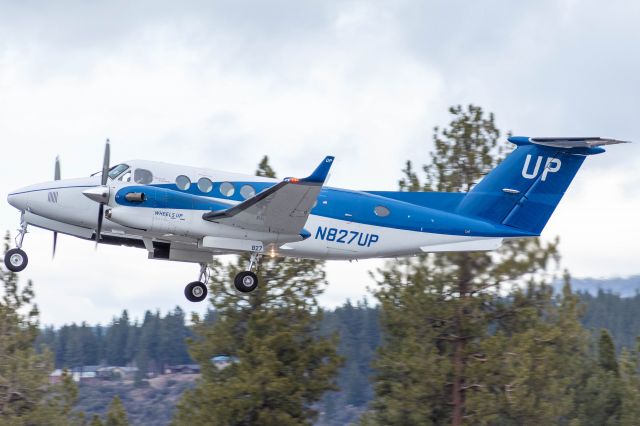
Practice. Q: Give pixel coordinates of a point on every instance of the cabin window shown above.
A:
(227, 189)
(142, 176)
(381, 211)
(204, 184)
(247, 191)
(183, 182)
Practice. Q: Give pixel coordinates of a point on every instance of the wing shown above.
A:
(282, 208)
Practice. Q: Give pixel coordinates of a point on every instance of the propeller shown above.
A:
(56, 176)
(100, 194)
(105, 176)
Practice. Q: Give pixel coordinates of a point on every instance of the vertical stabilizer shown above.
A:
(524, 190)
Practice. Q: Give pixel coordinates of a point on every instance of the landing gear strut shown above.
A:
(247, 281)
(16, 259)
(196, 291)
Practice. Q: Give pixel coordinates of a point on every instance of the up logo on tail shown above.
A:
(552, 166)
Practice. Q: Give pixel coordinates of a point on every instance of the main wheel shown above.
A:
(16, 260)
(246, 281)
(195, 291)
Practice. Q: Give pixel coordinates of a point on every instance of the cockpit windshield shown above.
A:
(115, 171)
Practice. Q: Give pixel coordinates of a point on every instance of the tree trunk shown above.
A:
(459, 358)
(458, 399)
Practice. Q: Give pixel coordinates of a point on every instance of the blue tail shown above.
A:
(524, 190)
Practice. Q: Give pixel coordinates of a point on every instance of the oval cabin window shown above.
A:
(227, 189)
(247, 191)
(381, 211)
(183, 182)
(204, 184)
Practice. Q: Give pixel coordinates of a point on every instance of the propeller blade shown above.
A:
(56, 174)
(105, 163)
(55, 243)
(99, 228)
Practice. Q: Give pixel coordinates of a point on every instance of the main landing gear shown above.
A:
(16, 259)
(196, 291)
(247, 281)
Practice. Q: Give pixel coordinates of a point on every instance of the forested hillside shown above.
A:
(150, 343)
(160, 340)
(619, 315)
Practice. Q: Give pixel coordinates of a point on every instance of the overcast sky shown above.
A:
(220, 84)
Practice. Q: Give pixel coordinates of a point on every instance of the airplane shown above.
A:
(190, 214)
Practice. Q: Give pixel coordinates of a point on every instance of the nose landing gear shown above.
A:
(196, 291)
(16, 259)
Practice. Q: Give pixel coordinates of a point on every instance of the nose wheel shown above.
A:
(16, 259)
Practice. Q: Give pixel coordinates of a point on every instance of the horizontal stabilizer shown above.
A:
(566, 142)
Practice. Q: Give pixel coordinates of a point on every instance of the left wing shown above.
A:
(282, 208)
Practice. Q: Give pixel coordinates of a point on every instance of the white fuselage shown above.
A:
(61, 206)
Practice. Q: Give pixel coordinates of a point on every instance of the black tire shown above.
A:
(195, 291)
(16, 260)
(246, 281)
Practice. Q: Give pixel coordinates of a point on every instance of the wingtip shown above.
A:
(321, 172)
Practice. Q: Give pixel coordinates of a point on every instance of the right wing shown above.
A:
(282, 208)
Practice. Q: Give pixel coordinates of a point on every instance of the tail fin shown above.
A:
(524, 190)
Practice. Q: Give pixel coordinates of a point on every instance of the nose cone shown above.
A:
(19, 199)
(99, 194)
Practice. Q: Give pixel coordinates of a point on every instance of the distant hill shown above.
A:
(607, 303)
(623, 287)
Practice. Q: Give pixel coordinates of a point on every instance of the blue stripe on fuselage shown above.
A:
(340, 204)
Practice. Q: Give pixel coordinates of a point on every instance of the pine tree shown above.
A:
(95, 421)
(26, 398)
(607, 353)
(599, 400)
(448, 332)
(116, 415)
(534, 361)
(630, 391)
(116, 340)
(281, 365)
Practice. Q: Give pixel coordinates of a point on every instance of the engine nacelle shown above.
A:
(130, 217)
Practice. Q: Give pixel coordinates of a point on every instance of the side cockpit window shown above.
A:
(125, 177)
(142, 176)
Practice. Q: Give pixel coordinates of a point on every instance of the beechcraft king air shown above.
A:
(191, 214)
